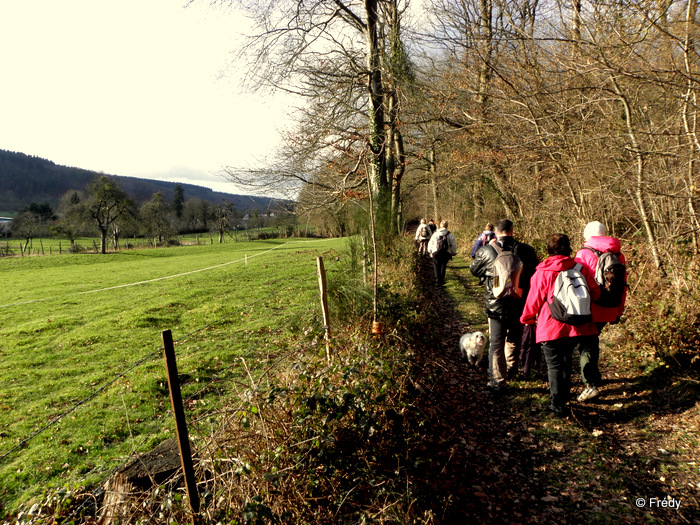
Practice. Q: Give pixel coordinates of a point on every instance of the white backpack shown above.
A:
(571, 303)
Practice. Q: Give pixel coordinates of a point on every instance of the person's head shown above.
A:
(443, 224)
(559, 244)
(432, 221)
(489, 226)
(593, 229)
(422, 221)
(503, 227)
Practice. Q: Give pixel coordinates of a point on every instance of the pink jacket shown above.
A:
(541, 292)
(587, 258)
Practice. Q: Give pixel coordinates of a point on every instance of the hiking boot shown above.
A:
(495, 389)
(588, 393)
(559, 411)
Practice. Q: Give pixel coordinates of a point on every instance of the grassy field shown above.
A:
(56, 246)
(80, 341)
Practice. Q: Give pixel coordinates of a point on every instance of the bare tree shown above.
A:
(106, 203)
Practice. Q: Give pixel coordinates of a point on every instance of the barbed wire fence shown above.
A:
(221, 407)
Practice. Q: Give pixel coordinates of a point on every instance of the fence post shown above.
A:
(324, 304)
(183, 439)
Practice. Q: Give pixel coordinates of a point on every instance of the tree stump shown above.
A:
(138, 475)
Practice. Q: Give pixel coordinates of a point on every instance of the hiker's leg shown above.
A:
(497, 358)
(514, 338)
(558, 356)
(436, 269)
(529, 350)
(590, 352)
(443, 271)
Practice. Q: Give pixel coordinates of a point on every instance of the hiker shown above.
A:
(483, 239)
(559, 338)
(442, 247)
(423, 234)
(607, 309)
(432, 226)
(504, 298)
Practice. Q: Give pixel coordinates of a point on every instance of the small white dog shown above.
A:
(472, 347)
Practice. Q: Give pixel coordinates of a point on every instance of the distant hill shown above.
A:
(25, 179)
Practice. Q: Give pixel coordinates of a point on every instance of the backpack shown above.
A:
(442, 246)
(610, 276)
(571, 303)
(506, 274)
(487, 238)
(425, 232)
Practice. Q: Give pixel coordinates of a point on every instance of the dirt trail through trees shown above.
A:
(504, 459)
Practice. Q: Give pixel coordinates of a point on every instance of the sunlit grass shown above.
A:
(71, 325)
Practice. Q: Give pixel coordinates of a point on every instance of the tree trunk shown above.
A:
(103, 239)
(639, 193)
(378, 178)
(486, 36)
(690, 121)
(432, 159)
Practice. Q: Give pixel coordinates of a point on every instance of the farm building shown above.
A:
(5, 226)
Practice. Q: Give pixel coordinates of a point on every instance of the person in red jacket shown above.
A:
(595, 239)
(558, 339)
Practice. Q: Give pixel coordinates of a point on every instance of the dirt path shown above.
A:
(504, 459)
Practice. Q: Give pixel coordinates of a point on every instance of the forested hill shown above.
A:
(25, 179)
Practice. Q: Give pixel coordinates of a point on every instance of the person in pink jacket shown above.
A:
(558, 339)
(595, 239)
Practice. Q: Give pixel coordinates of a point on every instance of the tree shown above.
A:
(337, 56)
(71, 216)
(179, 200)
(197, 214)
(224, 214)
(156, 218)
(107, 203)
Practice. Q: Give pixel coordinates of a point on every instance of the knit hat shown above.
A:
(593, 229)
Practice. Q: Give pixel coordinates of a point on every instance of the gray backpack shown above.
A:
(506, 274)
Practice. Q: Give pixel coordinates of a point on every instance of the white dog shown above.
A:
(472, 347)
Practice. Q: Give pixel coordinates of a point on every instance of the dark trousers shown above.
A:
(559, 357)
(440, 267)
(530, 350)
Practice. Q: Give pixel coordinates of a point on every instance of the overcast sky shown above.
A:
(130, 87)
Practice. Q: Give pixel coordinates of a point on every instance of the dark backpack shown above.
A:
(506, 274)
(571, 302)
(487, 238)
(442, 246)
(610, 276)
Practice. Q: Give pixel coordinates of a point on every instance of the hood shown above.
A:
(603, 244)
(556, 263)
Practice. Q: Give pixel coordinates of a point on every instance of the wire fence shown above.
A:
(230, 375)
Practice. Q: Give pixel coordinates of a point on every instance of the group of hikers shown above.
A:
(553, 307)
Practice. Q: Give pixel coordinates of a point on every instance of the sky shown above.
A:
(141, 88)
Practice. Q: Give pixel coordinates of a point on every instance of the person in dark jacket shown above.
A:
(558, 339)
(505, 329)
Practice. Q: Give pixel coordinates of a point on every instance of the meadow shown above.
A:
(82, 380)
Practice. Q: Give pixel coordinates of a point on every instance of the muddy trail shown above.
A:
(505, 459)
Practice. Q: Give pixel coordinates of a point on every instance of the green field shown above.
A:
(80, 347)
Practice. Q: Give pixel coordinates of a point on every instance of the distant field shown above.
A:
(73, 326)
(56, 246)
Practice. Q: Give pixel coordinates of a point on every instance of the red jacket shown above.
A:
(602, 314)
(541, 292)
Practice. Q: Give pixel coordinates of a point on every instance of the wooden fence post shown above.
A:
(183, 439)
(324, 305)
